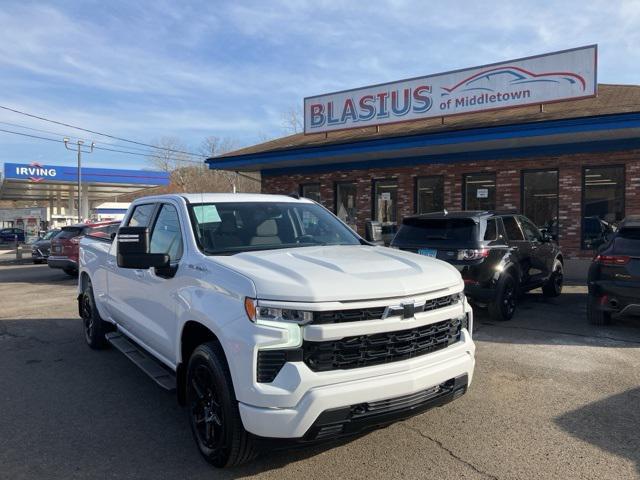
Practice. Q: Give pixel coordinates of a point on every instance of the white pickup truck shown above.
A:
(271, 318)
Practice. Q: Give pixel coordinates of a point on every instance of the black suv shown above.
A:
(499, 255)
(614, 275)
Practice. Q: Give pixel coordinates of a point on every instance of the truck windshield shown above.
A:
(232, 227)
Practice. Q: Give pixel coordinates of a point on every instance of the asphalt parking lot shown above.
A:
(552, 397)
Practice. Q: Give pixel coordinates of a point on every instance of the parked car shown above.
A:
(41, 247)
(272, 319)
(614, 275)
(64, 245)
(498, 255)
(9, 235)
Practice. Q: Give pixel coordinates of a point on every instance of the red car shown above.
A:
(65, 245)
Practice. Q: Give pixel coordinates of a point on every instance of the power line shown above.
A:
(99, 148)
(99, 133)
(17, 125)
(38, 137)
(31, 136)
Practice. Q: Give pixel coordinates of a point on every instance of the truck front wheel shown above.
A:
(213, 410)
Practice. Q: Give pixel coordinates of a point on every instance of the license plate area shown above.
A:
(428, 252)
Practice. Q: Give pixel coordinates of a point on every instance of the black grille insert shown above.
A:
(270, 362)
(366, 350)
(352, 315)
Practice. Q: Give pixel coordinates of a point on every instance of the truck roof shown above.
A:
(227, 197)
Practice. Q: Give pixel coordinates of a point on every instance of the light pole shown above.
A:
(79, 143)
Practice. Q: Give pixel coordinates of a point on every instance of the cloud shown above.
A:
(152, 68)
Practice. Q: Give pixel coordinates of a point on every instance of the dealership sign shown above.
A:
(552, 77)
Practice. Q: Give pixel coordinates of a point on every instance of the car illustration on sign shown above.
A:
(508, 76)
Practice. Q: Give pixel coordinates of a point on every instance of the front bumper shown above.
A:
(62, 262)
(38, 254)
(306, 419)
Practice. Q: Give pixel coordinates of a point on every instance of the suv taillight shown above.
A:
(473, 254)
(615, 260)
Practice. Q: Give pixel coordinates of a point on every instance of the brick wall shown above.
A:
(508, 175)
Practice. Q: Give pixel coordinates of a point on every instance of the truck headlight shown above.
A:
(255, 312)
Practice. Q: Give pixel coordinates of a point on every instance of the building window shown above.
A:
(602, 203)
(429, 194)
(385, 201)
(310, 191)
(540, 198)
(346, 203)
(480, 191)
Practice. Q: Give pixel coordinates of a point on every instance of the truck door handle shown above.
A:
(139, 273)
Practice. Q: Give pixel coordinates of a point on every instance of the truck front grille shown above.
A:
(377, 313)
(366, 350)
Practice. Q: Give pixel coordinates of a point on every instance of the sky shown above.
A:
(145, 70)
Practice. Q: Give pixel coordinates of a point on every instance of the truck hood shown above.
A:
(341, 273)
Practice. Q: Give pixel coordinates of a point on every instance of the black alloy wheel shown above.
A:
(553, 287)
(93, 325)
(504, 306)
(206, 413)
(213, 409)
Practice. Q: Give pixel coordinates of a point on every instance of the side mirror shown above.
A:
(133, 249)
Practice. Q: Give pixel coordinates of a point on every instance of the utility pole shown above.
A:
(80, 151)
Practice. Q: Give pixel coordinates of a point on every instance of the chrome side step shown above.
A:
(162, 375)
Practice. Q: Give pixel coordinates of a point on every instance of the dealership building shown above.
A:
(564, 151)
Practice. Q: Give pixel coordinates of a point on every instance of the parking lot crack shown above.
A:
(451, 453)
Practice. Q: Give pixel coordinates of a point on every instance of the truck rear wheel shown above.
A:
(213, 410)
(94, 327)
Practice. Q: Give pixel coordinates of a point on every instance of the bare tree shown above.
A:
(214, 146)
(293, 120)
(189, 173)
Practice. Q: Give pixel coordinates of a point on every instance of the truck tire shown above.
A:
(504, 306)
(94, 327)
(595, 315)
(553, 286)
(213, 410)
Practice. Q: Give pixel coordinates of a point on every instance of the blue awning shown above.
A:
(595, 133)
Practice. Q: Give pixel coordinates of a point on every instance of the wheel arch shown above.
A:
(193, 334)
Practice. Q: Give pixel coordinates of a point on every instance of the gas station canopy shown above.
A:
(34, 181)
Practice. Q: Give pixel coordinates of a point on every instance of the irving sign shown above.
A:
(552, 77)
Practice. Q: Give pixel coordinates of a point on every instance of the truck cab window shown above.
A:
(141, 215)
(166, 236)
